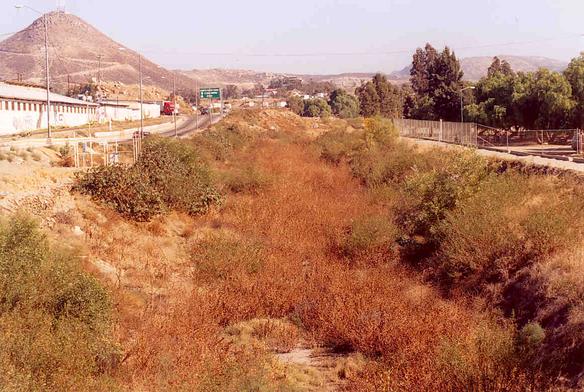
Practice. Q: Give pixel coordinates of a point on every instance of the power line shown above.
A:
(375, 53)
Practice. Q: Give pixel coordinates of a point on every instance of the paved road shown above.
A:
(192, 125)
(187, 126)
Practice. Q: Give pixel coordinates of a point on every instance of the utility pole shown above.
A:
(141, 100)
(47, 76)
(99, 70)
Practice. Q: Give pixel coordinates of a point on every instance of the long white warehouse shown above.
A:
(24, 108)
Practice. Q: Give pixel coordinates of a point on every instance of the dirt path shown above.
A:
(329, 366)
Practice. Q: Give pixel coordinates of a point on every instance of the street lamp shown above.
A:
(461, 103)
(47, 77)
(141, 100)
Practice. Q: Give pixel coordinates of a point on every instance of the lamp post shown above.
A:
(461, 102)
(47, 77)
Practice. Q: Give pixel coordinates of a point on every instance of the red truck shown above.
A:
(167, 108)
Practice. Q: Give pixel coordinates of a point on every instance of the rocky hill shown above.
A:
(76, 50)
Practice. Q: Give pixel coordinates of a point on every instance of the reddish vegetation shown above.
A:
(272, 255)
(319, 244)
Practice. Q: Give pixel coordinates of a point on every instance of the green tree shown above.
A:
(445, 85)
(575, 76)
(369, 102)
(494, 97)
(543, 100)
(422, 64)
(390, 97)
(379, 97)
(436, 80)
(296, 104)
(343, 104)
(316, 107)
(499, 67)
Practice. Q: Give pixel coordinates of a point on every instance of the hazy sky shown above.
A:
(322, 36)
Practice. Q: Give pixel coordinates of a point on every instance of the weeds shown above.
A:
(55, 320)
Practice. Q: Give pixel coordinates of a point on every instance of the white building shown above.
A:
(126, 110)
(24, 108)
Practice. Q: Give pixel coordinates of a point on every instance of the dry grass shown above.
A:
(311, 257)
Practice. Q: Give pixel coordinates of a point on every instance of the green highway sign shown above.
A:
(210, 93)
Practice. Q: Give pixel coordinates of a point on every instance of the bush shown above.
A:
(296, 105)
(168, 175)
(247, 179)
(316, 107)
(432, 194)
(55, 320)
(370, 239)
(66, 156)
(336, 146)
(220, 141)
(511, 222)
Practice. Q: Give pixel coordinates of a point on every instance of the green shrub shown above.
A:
(125, 189)
(55, 320)
(337, 145)
(432, 194)
(505, 226)
(168, 175)
(246, 180)
(222, 139)
(370, 238)
(380, 130)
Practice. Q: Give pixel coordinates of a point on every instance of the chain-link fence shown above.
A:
(443, 131)
(477, 135)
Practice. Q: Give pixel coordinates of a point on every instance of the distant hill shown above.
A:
(247, 79)
(475, 68)
(75, 49)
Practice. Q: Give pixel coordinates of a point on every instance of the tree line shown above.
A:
(503, 98)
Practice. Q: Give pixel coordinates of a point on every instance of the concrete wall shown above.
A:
(28, 116)
(126, 113)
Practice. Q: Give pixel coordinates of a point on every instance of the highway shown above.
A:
(191, 125)
(185, 127)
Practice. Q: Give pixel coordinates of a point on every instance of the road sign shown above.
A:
(210, 93)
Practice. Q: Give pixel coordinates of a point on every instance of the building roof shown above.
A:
(27, 93)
